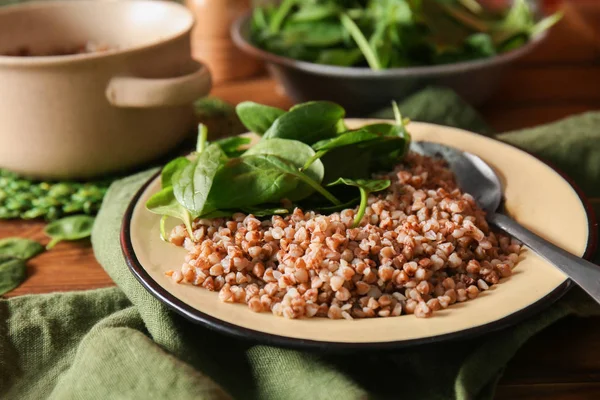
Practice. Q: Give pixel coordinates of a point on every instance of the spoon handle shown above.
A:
(582, 272)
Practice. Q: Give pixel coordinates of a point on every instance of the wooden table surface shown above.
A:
(561, 78)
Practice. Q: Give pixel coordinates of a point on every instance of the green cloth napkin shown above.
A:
(122, 343)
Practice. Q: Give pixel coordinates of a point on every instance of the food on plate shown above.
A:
(318, 220)
(384, 34)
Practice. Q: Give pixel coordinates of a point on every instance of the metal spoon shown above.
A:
(477, 178)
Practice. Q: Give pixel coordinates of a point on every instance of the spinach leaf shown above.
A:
(345, 139)
(296, 153)
(258, 118)
(321, 33)
(310, 12)
(166, 175)
(231, 145)
(263, 178)
(339, 57)
(164, 203)
(12, 272)
(70, 228)
(392, 33)
(307, 122)
(21, 248)
(366, 187)
(192, 184)
(250, 181)
(349, 162)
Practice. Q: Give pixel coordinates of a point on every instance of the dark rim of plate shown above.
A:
(239, 332)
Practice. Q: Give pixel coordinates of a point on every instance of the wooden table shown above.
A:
(561, 78)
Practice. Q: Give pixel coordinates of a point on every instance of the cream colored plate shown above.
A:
(536, 195)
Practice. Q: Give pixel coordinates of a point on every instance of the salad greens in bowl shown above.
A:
(364, 53)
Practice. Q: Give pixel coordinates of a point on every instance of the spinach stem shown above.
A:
(319, 188)
(187, 220)
(202, 135)
(361, 41)
(364, 198)
(280, 14)
(54, 242)
(163, 232)
(397, 114)
(314, 158)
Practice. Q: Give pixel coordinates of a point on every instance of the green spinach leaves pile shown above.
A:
(392, 33)
(305, 157)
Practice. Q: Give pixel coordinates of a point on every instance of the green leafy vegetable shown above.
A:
(12, 272)
(345, 139)
(258, 118)
(301, 151)
(192, 184)
(307, 122)
(231, 145)
(171, 168)
(393, 33)
(262, 178)
(165, 204)
(21, 248)
(70, 228)
(366, 187)
(297, 153)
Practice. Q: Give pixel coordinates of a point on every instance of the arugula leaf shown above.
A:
(258, 118)
(366, 187)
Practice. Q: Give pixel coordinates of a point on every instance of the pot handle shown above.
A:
(133, 92)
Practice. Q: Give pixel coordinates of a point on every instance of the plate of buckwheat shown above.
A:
(325, 232)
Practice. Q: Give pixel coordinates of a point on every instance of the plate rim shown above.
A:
(247, 334)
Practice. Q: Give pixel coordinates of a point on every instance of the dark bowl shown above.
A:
(362, 90)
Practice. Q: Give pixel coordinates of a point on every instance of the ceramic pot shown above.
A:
(85, 115)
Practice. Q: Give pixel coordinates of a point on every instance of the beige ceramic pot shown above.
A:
(85, 115)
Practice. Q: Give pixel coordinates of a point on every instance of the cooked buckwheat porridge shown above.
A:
(421, 246)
